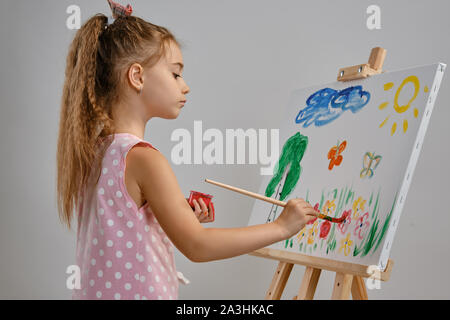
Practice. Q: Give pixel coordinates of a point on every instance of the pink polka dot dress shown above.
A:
(122, 251)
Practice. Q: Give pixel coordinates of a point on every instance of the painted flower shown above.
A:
(325, 229)
(362, 224)
(329, 207)
(358, 207)
(346, 244)
(343, 226)
(301, 234)
(312, 232)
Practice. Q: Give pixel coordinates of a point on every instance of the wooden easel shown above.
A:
(349, 276)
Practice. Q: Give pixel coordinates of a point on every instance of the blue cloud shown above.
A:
(328, 104)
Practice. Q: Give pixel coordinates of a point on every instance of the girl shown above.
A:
(129, 207)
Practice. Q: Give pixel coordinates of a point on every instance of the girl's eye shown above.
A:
(176, 75)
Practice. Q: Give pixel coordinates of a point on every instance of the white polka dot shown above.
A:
(129, 205)
(120, 214)
(119, 254)
(153, 238)
(101, 231)
(119, 194)
(129, 244)
(109, 243)
(100, 273)
(117, 296)
(160, 230)
(121, 174)
(109, 263)
(147, 248)
(99, 294)
(136, 296)
(159, 298)
(166, 240)
(101, 211)
(113, 151)
(125, 144)
(149, 268)
(95, 241)
(108, 284)
(110, 222)
(142, 278)
(136, 276)
(127, 286)
(155, 259)
(157, 278)
(144, 298)
(146, 228)
(115, 162)
(101, 191)
(93, 262)
(128, 265)
(140, 216)
(110, 202)
(159, 249)
(91, 282)
(165, 289)
(118, 275)
(139, 236)
(130, 224)
(120, 233)
(105, 170)
(101, 253)
(162, 268)
(110, 182)
(151, 289)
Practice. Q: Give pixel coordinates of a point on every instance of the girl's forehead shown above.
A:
(173, 53)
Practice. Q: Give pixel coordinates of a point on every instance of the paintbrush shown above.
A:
(274, 201)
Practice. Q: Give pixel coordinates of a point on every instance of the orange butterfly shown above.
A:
(335, 154)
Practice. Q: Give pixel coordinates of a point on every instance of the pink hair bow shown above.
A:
(119, 10)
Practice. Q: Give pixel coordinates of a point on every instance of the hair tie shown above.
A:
(118, 10)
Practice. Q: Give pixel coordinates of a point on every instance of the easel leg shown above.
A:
(359, 291)
(309, 284)
(279, 281)
(342, 286)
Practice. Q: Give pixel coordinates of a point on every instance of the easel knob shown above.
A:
(374, 66)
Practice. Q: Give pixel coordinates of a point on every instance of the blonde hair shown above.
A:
(96, 66)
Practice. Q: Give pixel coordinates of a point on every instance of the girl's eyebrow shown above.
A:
(180, 64)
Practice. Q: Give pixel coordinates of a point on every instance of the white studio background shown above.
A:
(242, 61)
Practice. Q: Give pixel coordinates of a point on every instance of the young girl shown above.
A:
(129, 207)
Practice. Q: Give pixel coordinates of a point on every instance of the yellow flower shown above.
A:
(312, 232)
(301, 234)
(329, 207)
(346, 244)
(358, 207)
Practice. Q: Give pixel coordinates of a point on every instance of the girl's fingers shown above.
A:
(204, 207)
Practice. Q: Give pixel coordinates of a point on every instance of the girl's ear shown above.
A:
(136, 76)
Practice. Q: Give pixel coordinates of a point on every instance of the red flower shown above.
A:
(324, 229)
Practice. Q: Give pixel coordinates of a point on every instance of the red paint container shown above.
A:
(207, 199)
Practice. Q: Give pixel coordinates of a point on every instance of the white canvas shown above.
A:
(362, 139)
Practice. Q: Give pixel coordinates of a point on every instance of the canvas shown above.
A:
(351, 148)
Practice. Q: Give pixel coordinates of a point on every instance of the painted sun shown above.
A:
(401, 109)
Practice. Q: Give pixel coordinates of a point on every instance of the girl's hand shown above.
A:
(295, 215)
(201, 211)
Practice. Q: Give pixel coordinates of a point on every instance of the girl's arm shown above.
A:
(160, 188)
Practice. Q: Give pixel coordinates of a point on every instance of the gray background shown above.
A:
(243, 59)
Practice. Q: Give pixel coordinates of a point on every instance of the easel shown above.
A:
(349, 276)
